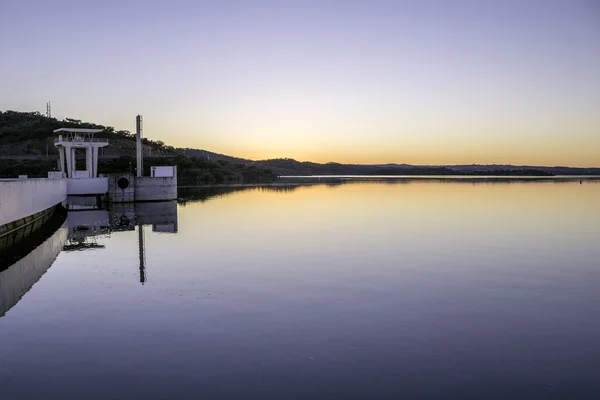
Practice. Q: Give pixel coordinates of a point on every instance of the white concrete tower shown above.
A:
(75, 138)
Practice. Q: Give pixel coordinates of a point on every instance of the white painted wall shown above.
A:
(22, 198)
(89, 186)
(81, 174)
(162, 172)
(56, 174)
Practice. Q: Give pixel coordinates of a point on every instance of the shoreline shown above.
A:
(316, 179)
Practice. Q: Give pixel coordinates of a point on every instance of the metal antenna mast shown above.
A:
(48, 109)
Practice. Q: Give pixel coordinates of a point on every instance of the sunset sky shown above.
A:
(419, 82)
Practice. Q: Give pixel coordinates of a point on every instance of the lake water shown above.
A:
(414, 289)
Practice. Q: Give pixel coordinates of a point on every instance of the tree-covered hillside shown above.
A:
(27, 148)
(31, 134)
(291, 167)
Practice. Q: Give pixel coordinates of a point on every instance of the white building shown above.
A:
(78, 138)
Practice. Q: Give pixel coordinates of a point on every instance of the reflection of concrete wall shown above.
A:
(164, 212)
(83, 202)
(21, 276)
(165, 228)
(20, 199)
(123, 217)
(91, 219)
(153, 189)
(87, 186)
(154, 213)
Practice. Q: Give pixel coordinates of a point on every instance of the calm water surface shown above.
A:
(362, 290)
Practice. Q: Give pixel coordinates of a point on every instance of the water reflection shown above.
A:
(369, 290)
(431, 178)
(205, 193)
(23, 264)
(33, 249)
(189, 194)
(85, 227)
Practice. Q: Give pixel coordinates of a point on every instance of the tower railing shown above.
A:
(76, 139)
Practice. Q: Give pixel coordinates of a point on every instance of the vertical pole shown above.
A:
(141, 253)
(139, 155)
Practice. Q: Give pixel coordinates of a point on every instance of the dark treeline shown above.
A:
(287, 166)
(508, 172)
(190, 171)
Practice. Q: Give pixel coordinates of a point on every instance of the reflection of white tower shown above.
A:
(77, 138)
(86, 222)
(85, 227)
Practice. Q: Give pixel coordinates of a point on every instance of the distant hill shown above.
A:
(558, 170)
(209, 155)
(288, 166)
(28, 136)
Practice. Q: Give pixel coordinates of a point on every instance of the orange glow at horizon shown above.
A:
(524, 150)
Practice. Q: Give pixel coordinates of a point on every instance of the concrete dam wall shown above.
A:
(23, 198)
(126, 188)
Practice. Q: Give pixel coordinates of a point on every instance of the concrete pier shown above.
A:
(20, 199)
(127, 188)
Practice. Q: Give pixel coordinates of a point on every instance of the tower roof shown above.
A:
(78, 130)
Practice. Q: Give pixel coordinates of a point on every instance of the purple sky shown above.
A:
(351, 81)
